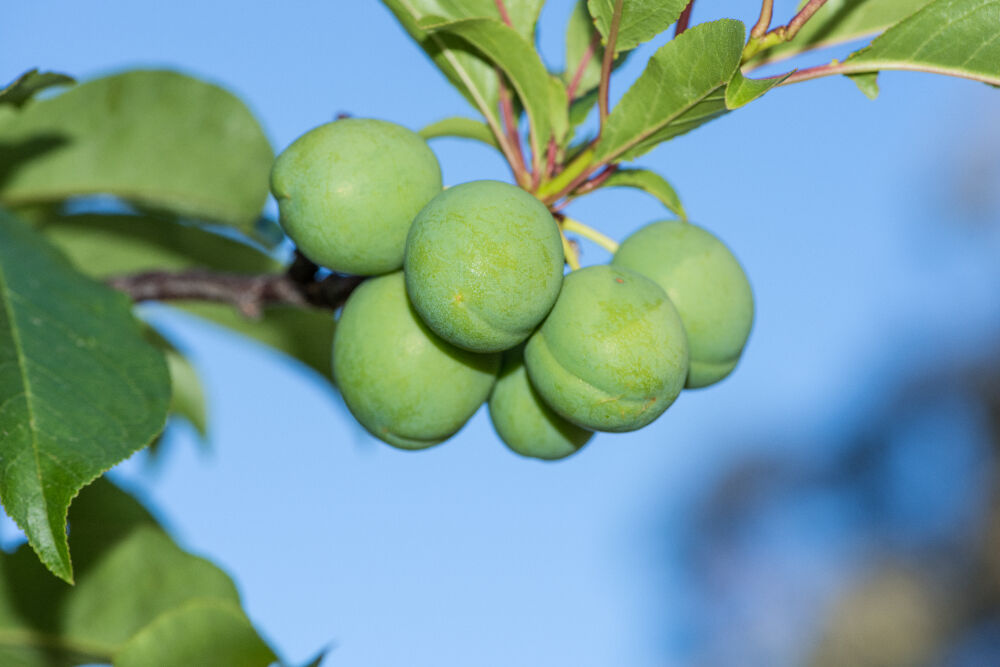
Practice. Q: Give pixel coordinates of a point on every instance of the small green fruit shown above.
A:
(612, 355)
(522, 419)
(348, 191)
(484, 264)
(404, 384)
(706, 284)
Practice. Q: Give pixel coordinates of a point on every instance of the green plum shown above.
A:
(404, 384)
(706, 284)
(612, 354)
(348, 190)
(484, 263)
(522, 419)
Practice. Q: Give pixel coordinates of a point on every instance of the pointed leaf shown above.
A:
(80, 389)
(742, 90)
(160, 139)
(955, 37)
(29, 84)
(681, 88)
(523, 66)
(641, 20)
(840, 21)
(456, 126)
(131, 578)
(651, 183)
(867, 83)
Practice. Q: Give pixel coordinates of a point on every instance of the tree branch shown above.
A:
(800, 19)
(249, 293)
(684, 20)
(764, 22)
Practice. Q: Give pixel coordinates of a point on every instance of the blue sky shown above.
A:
(838, 208)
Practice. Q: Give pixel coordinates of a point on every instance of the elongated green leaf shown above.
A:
(188, 397)
(641, 20)
(651, 183)
(80, 389)
(131, 580)
(160, 139)
(955, 37)
(681, 88)
(32, 82)
(523, 66)
(468, 71)
(840, 21)
(465, 128)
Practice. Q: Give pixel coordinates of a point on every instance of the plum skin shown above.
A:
(405, 385)
(706, 284)
(612, 355)
(484, 264)
(348, 190)
(524, 422)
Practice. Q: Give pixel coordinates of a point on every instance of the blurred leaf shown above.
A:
(305, 334)
(840, 21)
(457, 126)
(581, 108)
(473, 76)
(160, 139)
(641, 20)
(187, 398)
(681, 88)
(132, 579)
(32, 82)
(741, 90)
(651, 183)
(80, 388)
(867, 83)
(109, 245)
(523, 66)
(580, 33)
(954, 37)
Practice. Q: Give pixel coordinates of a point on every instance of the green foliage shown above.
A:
(651, 183)
(457, 126)
(74, 368)
(349, 189)
(29, 84)
(641, 20)
(139, 599)
(955, 37)
(612, 355)
(707, 286)
(483, 265)
(158, 139)
(524, 421)
(404, 384)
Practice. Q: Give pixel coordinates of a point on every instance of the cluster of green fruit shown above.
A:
(482, 311)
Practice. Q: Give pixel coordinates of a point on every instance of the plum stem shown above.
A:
(588, 232)
(684, 20)
(569, 252)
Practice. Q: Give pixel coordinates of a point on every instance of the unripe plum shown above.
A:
(523, 420)
(706, 284)
(484, 263)
(348, 190)
(404, 384)
(612, 354)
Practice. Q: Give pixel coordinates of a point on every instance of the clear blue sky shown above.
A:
(465, 554)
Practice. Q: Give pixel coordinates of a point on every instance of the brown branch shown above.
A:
(764, 22)
(249, 293)
(684, 20)
(800, 19)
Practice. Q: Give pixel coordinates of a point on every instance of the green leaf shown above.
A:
(188, 397)
(649, 182)
(159, 139)
(681, 88)
(29, 84)
(102, 245)
(132, 580)
(867, 83)
(519, 60)
(641, 20)
(581, 108)
(840, 21)
(742, 90)
(80, 388)
(955, 37)
(457, 126)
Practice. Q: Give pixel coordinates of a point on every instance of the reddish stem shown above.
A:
(504, 16)
(764, 22)
(684, 19)
(584, 61)
(609, 58)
